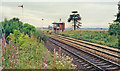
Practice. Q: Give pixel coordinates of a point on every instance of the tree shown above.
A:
(10, 25)
(118, 20)
(14, 24)
(75, 17)
(27, 29)
(115, 27)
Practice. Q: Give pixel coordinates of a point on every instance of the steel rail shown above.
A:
(75, 54)
(114, 55)
(113, 63)
(89, 43)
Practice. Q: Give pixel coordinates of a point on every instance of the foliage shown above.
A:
(118, 17)
(119, 36)
(16, 35)
(75, 18)
(10, 25)
(113, 29)
(100, 37)
(21, 52)
(27, 29)
(24, 54)
(40, 36)
(15, 24)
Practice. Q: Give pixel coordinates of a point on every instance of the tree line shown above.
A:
(14, 24)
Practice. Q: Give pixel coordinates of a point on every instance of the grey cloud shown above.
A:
(93, 14)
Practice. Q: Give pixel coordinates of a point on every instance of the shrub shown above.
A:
(113, 29)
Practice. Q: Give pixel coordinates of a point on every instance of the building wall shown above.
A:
(61, 28)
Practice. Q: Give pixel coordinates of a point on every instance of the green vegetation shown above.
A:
(27, 29)
(24, 54)
(10, 25)
(25, 49)
(119, 35)
(113, 29)
(100, 37)
(15, 24)
(39, 36)
(108, 38)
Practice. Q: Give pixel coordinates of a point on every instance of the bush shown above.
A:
(27, 29)
(113, 29)
(14, 24)
(40, 36)
(10, 25)
(24, 54)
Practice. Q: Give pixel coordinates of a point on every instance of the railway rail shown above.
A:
(91, 61)
(93, 44)
(104, 51)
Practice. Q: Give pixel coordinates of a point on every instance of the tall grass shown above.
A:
(100, 37)
(29, 53)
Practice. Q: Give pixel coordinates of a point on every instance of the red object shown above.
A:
(58, 27)
(21, 6)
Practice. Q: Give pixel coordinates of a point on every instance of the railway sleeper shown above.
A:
(88, 52)
(68, 50)
(92, 64)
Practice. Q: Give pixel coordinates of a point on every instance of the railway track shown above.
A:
(103, 51)
(89, 60)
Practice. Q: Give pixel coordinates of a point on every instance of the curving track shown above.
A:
(103, 51)
(90, 60)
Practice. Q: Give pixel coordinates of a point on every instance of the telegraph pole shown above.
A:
(21, 11)
(42, 25)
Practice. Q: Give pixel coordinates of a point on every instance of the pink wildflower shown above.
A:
(2, 67)
(59, 51)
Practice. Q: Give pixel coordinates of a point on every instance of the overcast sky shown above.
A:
(94, 13)
(60, 0)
